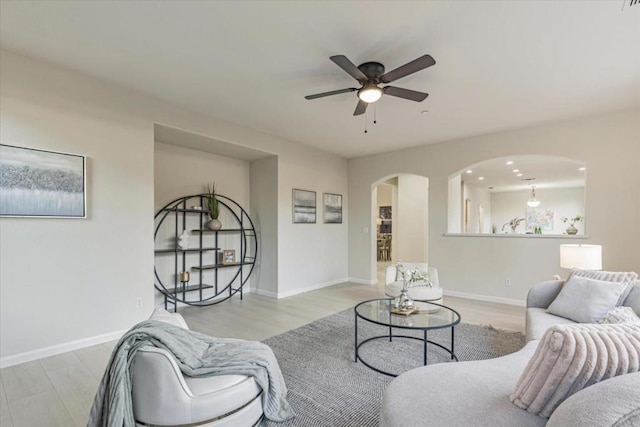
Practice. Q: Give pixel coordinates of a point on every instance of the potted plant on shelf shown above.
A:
(212, 205)
(513, 224)
(572, 229)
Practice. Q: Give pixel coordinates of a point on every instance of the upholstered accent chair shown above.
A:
(163, 396)
(420, 291)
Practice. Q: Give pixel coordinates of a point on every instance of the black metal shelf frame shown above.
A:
(181, 292)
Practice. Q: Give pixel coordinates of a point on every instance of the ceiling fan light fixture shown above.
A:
(370, 93)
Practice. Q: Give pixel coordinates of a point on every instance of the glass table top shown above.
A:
(430, 316)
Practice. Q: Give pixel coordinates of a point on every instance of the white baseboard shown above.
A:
(362, 281)
(264, 293)
(58, 349)
(279, 295)
(510, 301)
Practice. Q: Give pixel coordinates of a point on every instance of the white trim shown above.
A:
(297, 291)
(58, 349)
(488, 298)
(362, 281)
(264, 293)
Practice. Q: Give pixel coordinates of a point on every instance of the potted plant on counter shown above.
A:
(572, 229)
(212, 205)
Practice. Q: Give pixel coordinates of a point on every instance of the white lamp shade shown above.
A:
(583, 257)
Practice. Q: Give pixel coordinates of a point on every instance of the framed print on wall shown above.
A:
(332, 208)
(40, 183)
(304, 206)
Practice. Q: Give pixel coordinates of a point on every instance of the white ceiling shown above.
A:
(500, 65)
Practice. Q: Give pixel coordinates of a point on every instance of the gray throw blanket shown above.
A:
(197, 355)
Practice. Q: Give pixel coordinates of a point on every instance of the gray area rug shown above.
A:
(327, 388)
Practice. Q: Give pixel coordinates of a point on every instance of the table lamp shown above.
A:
(583, 257)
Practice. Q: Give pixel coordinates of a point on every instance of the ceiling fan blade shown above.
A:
(408, 68)
(344, 63)
(412, 95)
(333, 92)
(360, 108)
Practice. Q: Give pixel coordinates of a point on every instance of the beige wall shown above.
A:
(610, 147)
(64, 283)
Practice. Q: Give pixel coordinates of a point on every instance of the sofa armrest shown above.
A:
(543, 294)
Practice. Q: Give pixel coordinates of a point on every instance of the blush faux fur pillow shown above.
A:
(572, 357)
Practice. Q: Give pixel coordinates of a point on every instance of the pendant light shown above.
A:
(533, 202)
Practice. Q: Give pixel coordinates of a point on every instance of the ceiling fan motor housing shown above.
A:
(373, 70)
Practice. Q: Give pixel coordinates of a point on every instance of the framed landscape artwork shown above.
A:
(304, 206)
(40, 183)
(332, 208)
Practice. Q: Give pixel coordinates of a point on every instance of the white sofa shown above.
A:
(162, 396)
(477, 393)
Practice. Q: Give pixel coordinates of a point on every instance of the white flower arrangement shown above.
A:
(413, 276)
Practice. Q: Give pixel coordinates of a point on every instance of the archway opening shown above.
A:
(400, 221)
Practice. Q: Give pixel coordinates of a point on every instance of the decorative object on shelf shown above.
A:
(42, 184)
(228, 256)
(304, 206)
(572, 228)
(332, 204)
(513, 224)
(185, 276)
(183, 240)
(211, 203)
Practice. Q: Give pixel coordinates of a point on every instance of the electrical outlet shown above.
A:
(507, 281)
(139, 302)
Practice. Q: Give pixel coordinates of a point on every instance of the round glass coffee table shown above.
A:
(431, 316)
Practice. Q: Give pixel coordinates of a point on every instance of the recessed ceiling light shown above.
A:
(516, 170)
(519, 174)
(510, 162)
(481, 178)
(469, 171)
(582, 169)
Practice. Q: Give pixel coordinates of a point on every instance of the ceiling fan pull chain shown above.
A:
(365, 122)
(375, 111)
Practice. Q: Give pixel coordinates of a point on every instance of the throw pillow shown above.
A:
(572, 357)
(607, 276)
(586, 300)
(620, 315)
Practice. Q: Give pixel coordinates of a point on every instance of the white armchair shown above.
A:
(163, 396)
(418, 292)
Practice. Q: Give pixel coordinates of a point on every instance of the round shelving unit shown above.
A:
(208, 266)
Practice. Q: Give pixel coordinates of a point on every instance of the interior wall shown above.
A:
(90, 272)
(75, 281)
(264, 212)
(561, 202)
(478, 266)
(478, 198)
(412, 218)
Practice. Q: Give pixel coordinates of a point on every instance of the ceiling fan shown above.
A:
(371, 74)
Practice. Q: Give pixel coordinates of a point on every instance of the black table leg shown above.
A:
(355, 339)
(453, 352)
(425, 347)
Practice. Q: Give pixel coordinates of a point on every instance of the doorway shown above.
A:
(399, 206)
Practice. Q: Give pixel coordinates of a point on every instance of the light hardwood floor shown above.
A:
(59, 390)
